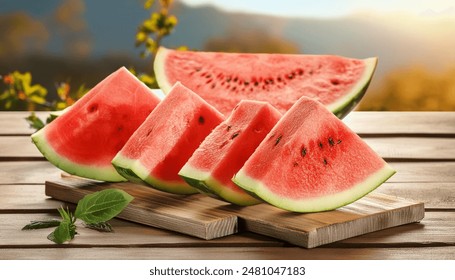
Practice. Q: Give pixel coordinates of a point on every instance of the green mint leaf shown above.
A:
(66, 215)
(61, 234)
(64, 232)
(41, 224)
(102, 227)
(102, 206)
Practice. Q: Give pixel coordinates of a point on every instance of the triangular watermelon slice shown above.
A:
(311, 161)
(224, 79)
(85, 139)
(225, 150)
(166, 140)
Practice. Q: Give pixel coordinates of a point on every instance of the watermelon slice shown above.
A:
(223, 79)
(85, 139)
(311, 161)
(166, 140)
(225, 150)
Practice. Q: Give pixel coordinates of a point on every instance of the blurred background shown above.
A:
(59, 49)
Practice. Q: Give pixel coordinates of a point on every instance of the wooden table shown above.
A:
(419, 145)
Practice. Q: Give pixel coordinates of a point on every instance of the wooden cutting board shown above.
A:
(204, 217)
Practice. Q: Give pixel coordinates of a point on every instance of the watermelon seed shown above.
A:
(279, 79)
(325, 161)
(331, 143)
(93, 108)
(119, 128)
(278, 140)
(228, 128)
(224, 144)
(228, 79)
(236, 79)
(339, 142)
(256, 83)
(290, 76)
(213, 86)
(246, 83)
(235, 135)
(208, 76)
(320, 145)
(201, 119)
(234, 88)
(197, 69)
(148, 132)
(335, 82)
(296, 164)
(303, 152)
(300, 72)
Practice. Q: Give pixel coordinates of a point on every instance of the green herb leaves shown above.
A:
(102, 206)
(94, 209)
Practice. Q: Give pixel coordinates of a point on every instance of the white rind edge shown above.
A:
(217, 188)
(143, 174)
(324, 203)
(108, 174)
(370, 67)
(158, 67)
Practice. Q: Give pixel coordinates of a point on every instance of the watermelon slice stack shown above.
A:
(306, 161)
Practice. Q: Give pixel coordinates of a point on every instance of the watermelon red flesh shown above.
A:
(223, 79)
(85, 139)
(311, 161)
(166, 140)
(225, 150)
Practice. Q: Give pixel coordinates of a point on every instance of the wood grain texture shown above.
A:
(195, 215)
(14, 148)
(126, 234)
(402, 123)
(26, 198)
(14, 123)
(371, 213)
(230, 253)
(390, 148)
(27, 172)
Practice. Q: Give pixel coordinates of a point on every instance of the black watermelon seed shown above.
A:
(201, 119)
(331, 143)
(278, 140)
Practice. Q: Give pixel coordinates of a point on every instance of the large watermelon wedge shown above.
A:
(85, 139)
(225, 150)
(311, 161)
(223, 79)
(166, 140)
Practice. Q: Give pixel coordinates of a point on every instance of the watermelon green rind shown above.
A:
(318, 204)
(209, 185)
(125, 167)
(350, 101)
(98, 173)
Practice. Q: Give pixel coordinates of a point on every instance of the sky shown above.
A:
(332, 8)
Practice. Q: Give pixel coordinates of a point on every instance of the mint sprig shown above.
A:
(94, 210)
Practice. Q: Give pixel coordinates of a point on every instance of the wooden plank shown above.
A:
(391, 148)
(435, 196)
(14, 123)
(434, 172)
(13, 148)
(125, 234)
(195, 215)
(436, 229)
(371, 213)
(27, 172)
(20, 198)
(415, 148)
(230, 253)
(402, 123)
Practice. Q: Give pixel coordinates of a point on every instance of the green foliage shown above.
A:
(151, 33)
(94, 209)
